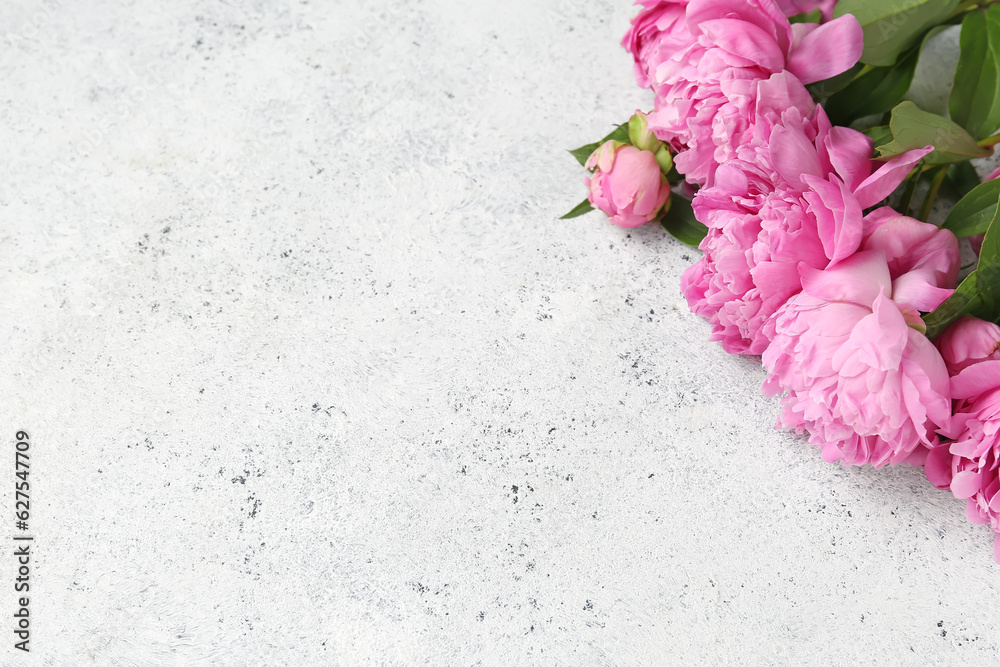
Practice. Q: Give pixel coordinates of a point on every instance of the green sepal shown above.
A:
(641, 136)
(665, 160)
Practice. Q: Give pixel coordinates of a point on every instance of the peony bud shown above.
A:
(641, 136)
(627, 184)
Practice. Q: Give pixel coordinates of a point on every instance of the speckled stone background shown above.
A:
(314, 375)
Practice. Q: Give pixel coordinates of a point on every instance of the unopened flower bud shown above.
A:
(627, 184)
(640, 135)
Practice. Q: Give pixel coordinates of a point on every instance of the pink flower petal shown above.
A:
(746, 41)
(858, 279)
(976, 379)
(966, 484)
(878, 340)
(974, 514)
(783, 91)
(916, 290)
(937, 467)
(764, 14)
(850, 154)
(887, 178)
(793, 155)
(967, 341)
(831, 49)
(838, 217)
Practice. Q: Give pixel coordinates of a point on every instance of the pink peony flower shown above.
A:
(969, 341)
(865, 384)
(970, 465)
(924, 260)
(795, 193)
(627, 184)
(705, 92)
(658, 32)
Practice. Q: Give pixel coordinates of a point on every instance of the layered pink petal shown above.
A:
(977, 379)
(793, 155)
(745, 40)
(968, 341)
(914, 289)
(867, 387)
(859, 279)
(838, 216)
(923, 259)
(764, 14)
(937, 467)
(780, 92)
(850, 154)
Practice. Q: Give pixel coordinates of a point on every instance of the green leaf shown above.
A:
(975, 97)
(874, 91)
(988, 270)
(893, 26)
(580, 209)
(620, 133)
(679, 220)
(962, 179)
(989, 255)
(815, 16)
(973, 213)
(673, 176)
(989, 289)
(913, 127)
(979, 293)
(880, 134)
(583, 153)
(822, 90)
(966, 299)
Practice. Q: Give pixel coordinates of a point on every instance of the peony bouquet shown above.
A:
(781, 145)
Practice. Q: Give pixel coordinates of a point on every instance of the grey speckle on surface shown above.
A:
(315, 376)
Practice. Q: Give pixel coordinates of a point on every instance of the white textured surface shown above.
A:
(315, 376)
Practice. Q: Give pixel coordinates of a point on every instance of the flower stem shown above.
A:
(989, 142)
(932, 194)
(911, 187)
(970, 5)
